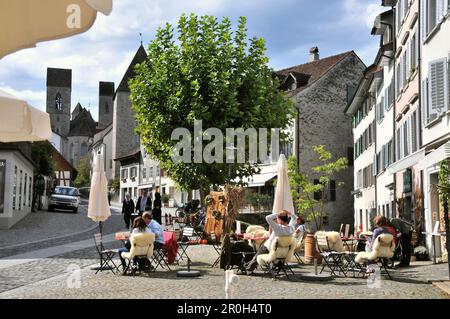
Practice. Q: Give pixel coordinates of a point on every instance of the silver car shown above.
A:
(64, 197)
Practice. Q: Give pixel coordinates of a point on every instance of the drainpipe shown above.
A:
(394, 143)
(420, 139)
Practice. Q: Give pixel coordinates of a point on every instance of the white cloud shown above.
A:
(359, 12)
(33, 98)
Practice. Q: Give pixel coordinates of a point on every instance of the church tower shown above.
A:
(105, 104)
(59, 96)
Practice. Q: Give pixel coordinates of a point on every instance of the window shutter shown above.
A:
(424, 19)
(424, 101)
(374, 165)
(408, 61)
(438, 84)
(448, 75)
(410, 138)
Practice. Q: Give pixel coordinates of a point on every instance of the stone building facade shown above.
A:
(124, 124)
(319, 91)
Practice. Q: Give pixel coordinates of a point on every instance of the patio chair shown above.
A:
(159, 258)
(299, 246)
(188, 237)
(382, 250)
(141, 249)
(329, 246)
(106, 255)
(217, 247)
(281, 251)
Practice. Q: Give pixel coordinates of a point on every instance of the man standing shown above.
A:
(405, 228)
(143, 203)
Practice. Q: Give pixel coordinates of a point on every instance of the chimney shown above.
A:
(313, 54)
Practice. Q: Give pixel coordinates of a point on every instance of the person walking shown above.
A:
(127, 210)
(156, 212)
(143, 203)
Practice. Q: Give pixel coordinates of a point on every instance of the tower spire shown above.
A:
(140, 34)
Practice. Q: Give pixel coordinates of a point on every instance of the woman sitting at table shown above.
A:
(139, 227)
(382, 227)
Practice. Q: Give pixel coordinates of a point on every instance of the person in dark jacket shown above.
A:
(156, 212)
(143, 203)
(127, 210)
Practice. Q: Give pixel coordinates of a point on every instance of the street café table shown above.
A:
(170, 243)
(351, 244)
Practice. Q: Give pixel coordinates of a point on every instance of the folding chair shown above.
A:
(382, 250)
(159, 259)
(297, 250)
(190, 234)
(141, 249)
(217, 247)
(106, 255)
(281, 251)
(332, 256)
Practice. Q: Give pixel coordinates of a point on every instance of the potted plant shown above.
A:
(421, 253)
(165, 199)
(310, 192)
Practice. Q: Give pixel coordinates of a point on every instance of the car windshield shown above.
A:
(66, 191)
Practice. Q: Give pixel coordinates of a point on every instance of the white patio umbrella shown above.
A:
(98, 209)
(283, 197)
(19, 122)
(23, 23)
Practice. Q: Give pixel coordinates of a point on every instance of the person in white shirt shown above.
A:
(282, 224)
(300, 229)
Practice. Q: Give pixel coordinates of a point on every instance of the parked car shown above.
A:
(64, 197)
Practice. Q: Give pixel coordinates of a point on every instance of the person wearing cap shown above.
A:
(282, 225)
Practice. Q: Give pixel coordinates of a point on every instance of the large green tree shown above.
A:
(209, 73)
(84, 172)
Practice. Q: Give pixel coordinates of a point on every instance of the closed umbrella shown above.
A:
(23, 23)
(19, 122)
(283, 197)
(98, 209)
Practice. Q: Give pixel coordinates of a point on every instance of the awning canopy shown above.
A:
(406, 162)
(19, 122)
(266, 174)
(23, 23)
(435, 157)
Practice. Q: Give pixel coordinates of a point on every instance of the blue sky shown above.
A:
(103, 53)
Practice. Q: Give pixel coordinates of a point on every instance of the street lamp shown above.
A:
(230, 157)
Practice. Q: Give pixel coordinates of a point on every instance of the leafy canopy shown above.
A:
(207, 73)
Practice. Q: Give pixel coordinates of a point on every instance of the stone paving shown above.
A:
(164, 284)
(51, 277)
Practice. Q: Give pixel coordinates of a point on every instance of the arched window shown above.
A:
(58, 102)
(106, 108)
(83, 149)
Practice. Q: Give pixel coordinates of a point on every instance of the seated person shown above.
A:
(282, 225)
(382, 227)
(155, 228)
(300, 228)
(139, 227)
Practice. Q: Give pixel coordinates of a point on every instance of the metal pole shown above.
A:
(447, 233)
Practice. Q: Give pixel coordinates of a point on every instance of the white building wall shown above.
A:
(11, 215)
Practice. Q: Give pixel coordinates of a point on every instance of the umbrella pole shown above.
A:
(100, 227)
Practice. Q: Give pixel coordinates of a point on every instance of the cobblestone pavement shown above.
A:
(42, 230)
(49, 278)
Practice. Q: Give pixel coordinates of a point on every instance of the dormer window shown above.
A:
(58, 102)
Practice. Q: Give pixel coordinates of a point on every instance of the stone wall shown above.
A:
(323, 122)
(60, 120)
